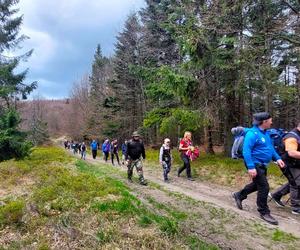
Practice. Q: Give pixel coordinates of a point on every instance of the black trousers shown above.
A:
(261, 185)
(106, 154)
(112, 158)
(94, 153)
(292, 187)
(186, 165)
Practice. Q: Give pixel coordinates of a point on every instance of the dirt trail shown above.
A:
(217, 196)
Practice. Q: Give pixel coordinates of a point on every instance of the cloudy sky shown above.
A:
(64, 35)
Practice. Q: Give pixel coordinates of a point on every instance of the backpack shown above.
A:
(277, 136)
(239, 133)
(238, 143)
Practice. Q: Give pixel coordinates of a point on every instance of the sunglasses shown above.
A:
(167, 141)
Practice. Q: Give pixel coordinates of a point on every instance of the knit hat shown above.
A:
(259, 117)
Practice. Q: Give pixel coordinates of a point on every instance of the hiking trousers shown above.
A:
(166, 169)
(138, 164)
(261, 185)
(292, 187)
(186, 165)
(83, 154)
(94, 153)
(112, 155)
(106, 154)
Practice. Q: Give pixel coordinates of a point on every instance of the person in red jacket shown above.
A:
(184, 146)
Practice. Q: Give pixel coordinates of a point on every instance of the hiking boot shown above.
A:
(166, 180)
(269, 218)
(144, 183)
(296, 211)
(277, 201)
(190, 179)
(130, 180)
(238, 200)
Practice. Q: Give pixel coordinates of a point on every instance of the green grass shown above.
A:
(50, 191)
(11, 213)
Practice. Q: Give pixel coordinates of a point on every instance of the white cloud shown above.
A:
(44, 47)
(77, 13)
(64, 35)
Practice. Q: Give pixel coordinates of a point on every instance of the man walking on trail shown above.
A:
(258, 151)
(114, 151)
(291, 157)
(124, 149)
(83, 150)
(134, 154)
(106, 149)
(94, 148)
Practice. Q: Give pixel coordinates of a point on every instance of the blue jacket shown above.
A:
(94, 145)
(258, 148)
(106, 147)
(124, 148)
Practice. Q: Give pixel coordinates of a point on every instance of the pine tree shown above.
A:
(12, 86)
(100, 92)
(129, 88)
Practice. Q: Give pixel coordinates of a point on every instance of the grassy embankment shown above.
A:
(51, 200)
(217, 169)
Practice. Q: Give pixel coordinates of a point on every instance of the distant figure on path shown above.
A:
(114, 148)
(83, 151)
(106, 149)
(94, 148)
(124, 150)
(165, 158)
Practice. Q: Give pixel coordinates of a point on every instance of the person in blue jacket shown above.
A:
(258, 151)
(106, 149)
(94, 147)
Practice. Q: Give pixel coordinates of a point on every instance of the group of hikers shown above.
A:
(76, 147)
(257, 151)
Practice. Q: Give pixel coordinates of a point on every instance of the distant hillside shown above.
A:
(56, 113)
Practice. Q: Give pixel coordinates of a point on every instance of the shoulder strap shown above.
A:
(295, 134)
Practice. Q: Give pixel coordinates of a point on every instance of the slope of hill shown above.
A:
(58, 114)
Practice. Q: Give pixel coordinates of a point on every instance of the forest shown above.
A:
(202, 66)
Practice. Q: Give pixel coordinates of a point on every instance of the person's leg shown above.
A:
(295, 191)
(112, 159)
(281, 191)
(248, 189)
(139, 168)
(262, 191)
(165, 167)
(295, 198)
(106, 156)
(183, 157)
(130, 170)
(118, 160)
(188, 167)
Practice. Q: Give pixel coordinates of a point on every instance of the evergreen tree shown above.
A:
(130, 97)
(100, 93)
(12, 86)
